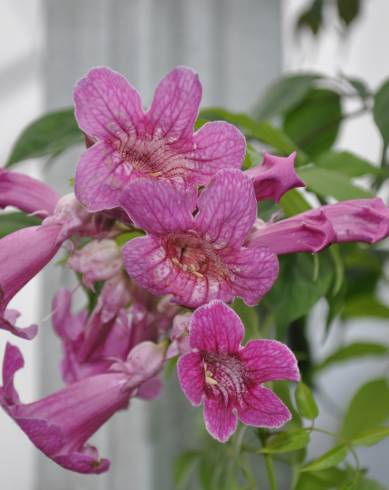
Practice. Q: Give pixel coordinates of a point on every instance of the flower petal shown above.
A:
(158, 206)
(275, 176)
(263, 409)
(220, 420)
(307, 232)
(252, 272)
(217, 145)
(216, 327)
(190, 371)
(175, 106)
(106, 105)
(100, 178)
(269, 360)
(27, 194)
(146, 261)
(227, 209)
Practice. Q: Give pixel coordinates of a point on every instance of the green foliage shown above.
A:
(10, 222)
(346, 163)
(381, 111)
(348, 10)
(368, 409)
(49, 135)
(287, 441)
(305, 402)
(314, 124)
(327, 460)
(353, 351)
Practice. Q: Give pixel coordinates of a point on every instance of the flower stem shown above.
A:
(270, 472)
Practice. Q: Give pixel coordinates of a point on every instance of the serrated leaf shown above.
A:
(287, 441)
(329, 459)
(371, 436)
(314, 124)
(346, 163)
(330, 183)
(49, 135)
(10, 222)
(381, 111)
(306, 404)
(353, 351)
(284, 94)
(368, 409)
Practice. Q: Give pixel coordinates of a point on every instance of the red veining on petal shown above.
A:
(225, 376)
(194, 255)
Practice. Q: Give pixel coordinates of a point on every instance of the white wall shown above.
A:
(362, 53)
(20, 101)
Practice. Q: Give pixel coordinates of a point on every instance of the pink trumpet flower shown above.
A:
(228, 378)
(157, 144)
(61, 424)
(27, 194)
(274, 177)
(359, 220)
(194, 248)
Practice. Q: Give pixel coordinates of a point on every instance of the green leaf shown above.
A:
(330, 183)
(327, 479)
(359, 86)
(49, 135)
(381, 111)
(331, 458)
(371, 436)
(353, 351)
(287, 441)
(184, 466)
(10, 222)
(249, 317)
(365, 305)
(305, 402)
(346, 163)
(348, 10)
(284, 94)
(297, 289)
(252, 158)
(128, 235)
(338, 264)
(368, 409)
(311, 18)
(314, 124)
(293, 202)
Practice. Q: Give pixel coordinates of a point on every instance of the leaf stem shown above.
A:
(270, 472)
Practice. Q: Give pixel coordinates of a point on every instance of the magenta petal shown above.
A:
(7, 322)
(263, 409)
(220, 421)
(190, 372)
(362, 220)
(175, 106)
(158, 206)
(269, 360)
(216, 328)
(217, 145)
(146, 261)
(106, 105)
(27, 194)
(227, 209)
(60, 424)
(99, 180)
(252, 272)
(275, 176)
(307, 232)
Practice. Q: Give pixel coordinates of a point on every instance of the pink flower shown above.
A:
(60, 424)
(274, 176)
(22, 255)
(157, 144)
(27, 194)
(362, 220)
(197, 258)
(229, 377)
(97, 261)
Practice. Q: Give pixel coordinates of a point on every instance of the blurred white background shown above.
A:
(22, 52)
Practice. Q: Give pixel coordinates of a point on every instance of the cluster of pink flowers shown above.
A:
(164, 293)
